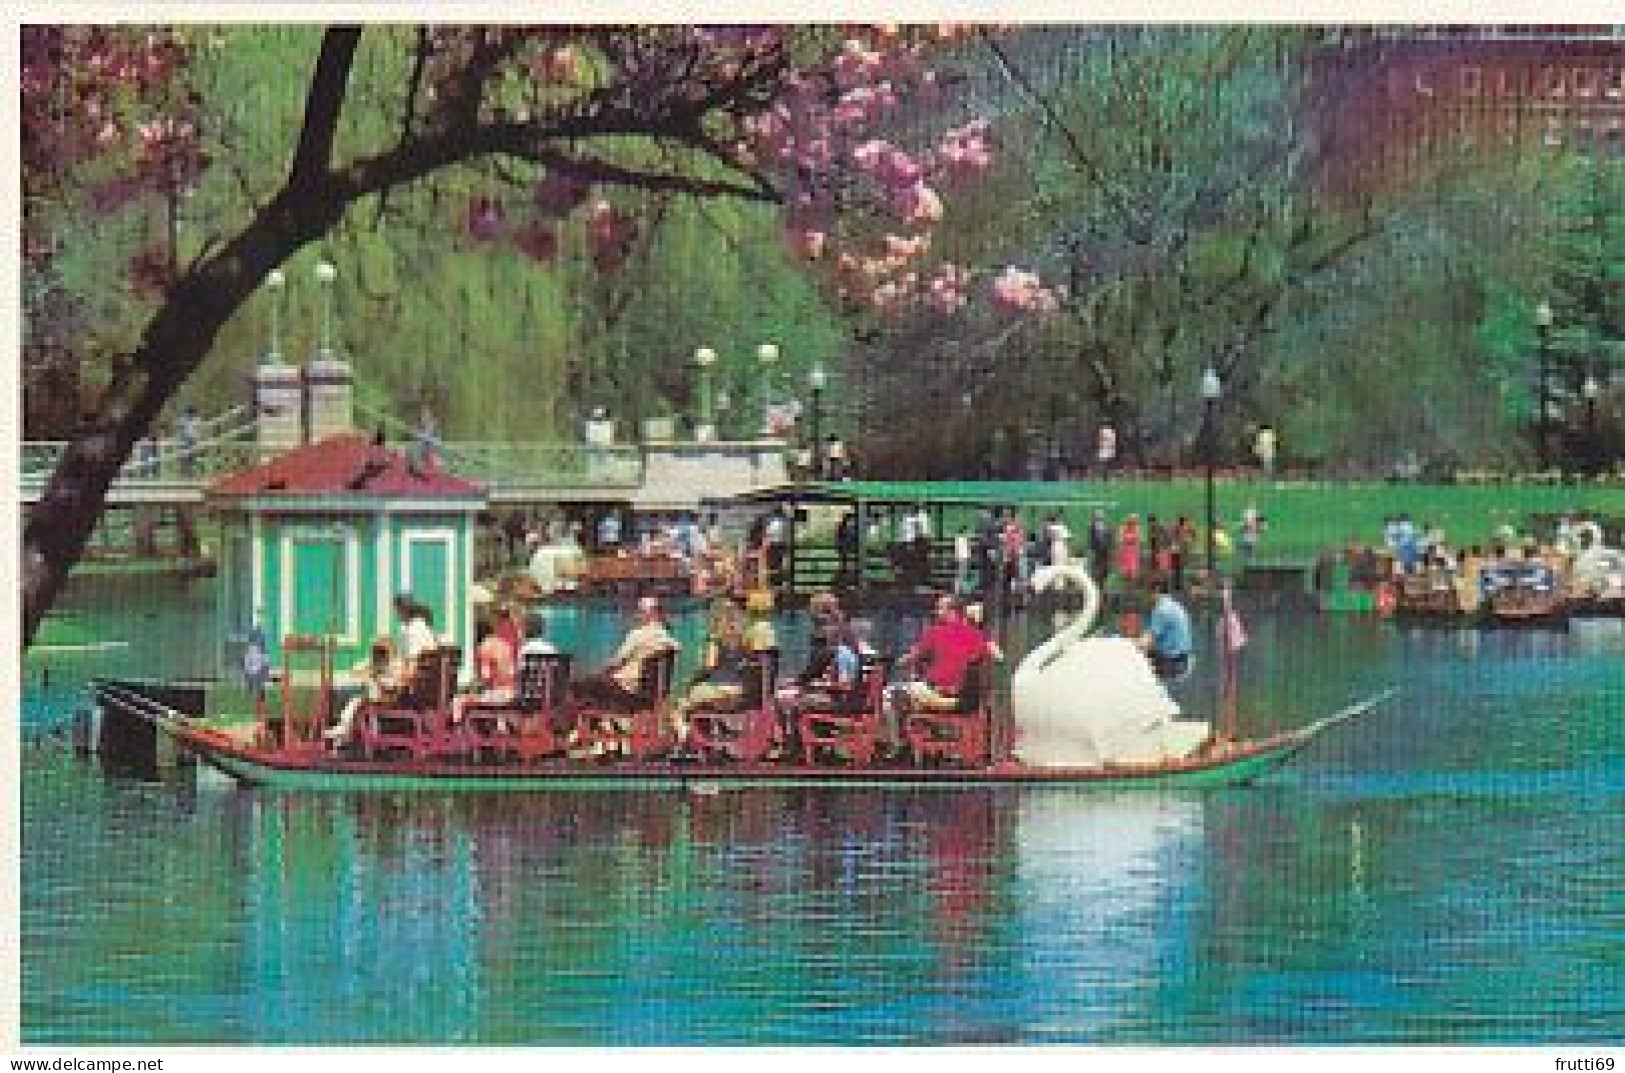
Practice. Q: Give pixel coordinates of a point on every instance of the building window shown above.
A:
(1585, 81)
(1472, 81)
(1550, 83)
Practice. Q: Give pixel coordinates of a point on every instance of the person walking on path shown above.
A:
(1252, 529)
(1100, 547)
(188, 434)
(1184, 542)
(1264, 447)
(1105, 449)
(1128, 548)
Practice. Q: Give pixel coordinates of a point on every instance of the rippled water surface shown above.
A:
(1450, 869)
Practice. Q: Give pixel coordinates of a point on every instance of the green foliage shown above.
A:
(1160, 175)
(500, 345)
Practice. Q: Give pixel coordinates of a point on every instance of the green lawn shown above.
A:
(1305, 517)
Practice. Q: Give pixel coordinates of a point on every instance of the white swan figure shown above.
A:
(1083, 701)
(1598, 570)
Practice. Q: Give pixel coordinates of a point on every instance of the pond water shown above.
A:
(1449, 869)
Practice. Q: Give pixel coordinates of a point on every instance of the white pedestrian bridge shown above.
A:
(657, 475)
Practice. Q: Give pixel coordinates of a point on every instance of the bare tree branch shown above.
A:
(324, 104)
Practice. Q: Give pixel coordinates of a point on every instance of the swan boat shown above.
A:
(1597, 584)
(1086, 711)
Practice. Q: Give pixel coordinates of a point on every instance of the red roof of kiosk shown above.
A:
(341, 465)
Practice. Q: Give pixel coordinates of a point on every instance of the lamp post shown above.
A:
(1543, 337)
(326, 273)
(277, 282)
(768, 355)
(1211, 390)
(704, 358)
(1589, 391)
(816, 379)
(724, 404)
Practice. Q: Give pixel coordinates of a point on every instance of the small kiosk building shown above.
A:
(317, 542)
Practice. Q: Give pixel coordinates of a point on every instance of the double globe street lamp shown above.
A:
(705, 360)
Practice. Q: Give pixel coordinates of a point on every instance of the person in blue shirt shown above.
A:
(1166, 641)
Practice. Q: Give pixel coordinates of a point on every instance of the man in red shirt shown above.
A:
(945, 650)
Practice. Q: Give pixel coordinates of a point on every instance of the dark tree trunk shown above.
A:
(176, 341)
(313, 198)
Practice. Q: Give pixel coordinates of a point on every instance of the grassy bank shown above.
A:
(1305, 517)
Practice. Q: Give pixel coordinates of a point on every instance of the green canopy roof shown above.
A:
(931, 493)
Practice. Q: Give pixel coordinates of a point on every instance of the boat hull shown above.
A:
(317, 771)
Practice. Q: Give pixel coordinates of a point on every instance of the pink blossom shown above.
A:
(557, 194)
(868, 155)
(807, 243)
(1016, 290)
(560, 65)
(483, 221)
(919, 204)
(539, 240)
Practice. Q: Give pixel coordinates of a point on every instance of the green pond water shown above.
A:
(1449, 869)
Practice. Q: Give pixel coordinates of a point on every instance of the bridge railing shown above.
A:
(167, 463)
(545, 465)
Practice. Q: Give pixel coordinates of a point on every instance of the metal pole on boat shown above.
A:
(1230, 640)
(1211, 389)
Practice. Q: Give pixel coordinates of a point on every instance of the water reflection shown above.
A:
(1121, 878)
(1444, 870)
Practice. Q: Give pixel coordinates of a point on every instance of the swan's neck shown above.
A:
(1081, 623)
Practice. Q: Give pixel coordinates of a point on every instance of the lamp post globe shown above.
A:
(277, 282)
(768, 355)
(1589, 391)
(326, 274)
(705, 426)
(1543, 390)
(817, 378)
(1212, 388)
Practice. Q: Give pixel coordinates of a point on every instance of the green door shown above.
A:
(320, 587)
(428, 572)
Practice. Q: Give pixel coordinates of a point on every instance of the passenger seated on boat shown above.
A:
(838, 686)
(719, 682)
(378, 676)
(741, 727)
(497, 669)
(828, 624)
(945, 649)
(960, 734)
(618, 685)
(1166, 641)
(417, 631)
(536, 723)
(838, 691)
(432, 682)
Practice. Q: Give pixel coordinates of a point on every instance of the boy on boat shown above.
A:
(379, 677)
(1166, 641)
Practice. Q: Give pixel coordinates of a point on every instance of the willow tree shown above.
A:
(774, 115)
